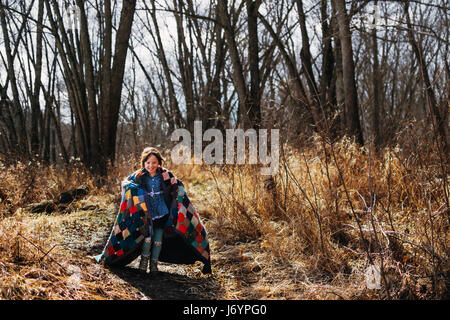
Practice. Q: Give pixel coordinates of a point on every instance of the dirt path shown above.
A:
(171, 282)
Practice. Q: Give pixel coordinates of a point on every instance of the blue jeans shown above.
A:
(157, 243)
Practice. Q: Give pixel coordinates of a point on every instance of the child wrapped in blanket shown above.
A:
(151, 160)
(156, 220)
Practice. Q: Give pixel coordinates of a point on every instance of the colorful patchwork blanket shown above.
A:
(185, 240)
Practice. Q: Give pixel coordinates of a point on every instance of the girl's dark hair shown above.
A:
(147, 152)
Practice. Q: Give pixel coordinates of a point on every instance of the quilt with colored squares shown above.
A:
(185, 239)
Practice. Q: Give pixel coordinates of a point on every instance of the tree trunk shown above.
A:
(45, 151)
(6, 117)
(376, 89)
(253, 109)
(326, 90)
(73, 142)
(305, 54)
(111, 109)
(35, 105)
(214, 95)
(238, 70)
(338, 73)
(186, 67)
(96, 160)
(106, 58)
(348, 68)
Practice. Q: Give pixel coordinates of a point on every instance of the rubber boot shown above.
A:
(143, 264)
(154, 266)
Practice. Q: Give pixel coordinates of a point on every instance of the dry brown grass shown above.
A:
(23, 183)
(336, 210)
(36, 263)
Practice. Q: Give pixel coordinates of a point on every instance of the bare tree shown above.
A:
(223, 16)
(241, 62)
(17, 114)
(439, 121)
(35, 104)
(253, 110)
(97, 132)
(376, 87)
(348, 67)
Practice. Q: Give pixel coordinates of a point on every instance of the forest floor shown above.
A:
(302, 241)
(67, 241)
(54, 254)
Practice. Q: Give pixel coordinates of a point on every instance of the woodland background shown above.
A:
(358, 89)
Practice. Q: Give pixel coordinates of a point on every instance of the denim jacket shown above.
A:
(155, 196)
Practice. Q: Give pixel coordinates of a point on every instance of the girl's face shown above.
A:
(151, 164)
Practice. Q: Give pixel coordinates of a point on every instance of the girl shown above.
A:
(156, 220)
(151, 160)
